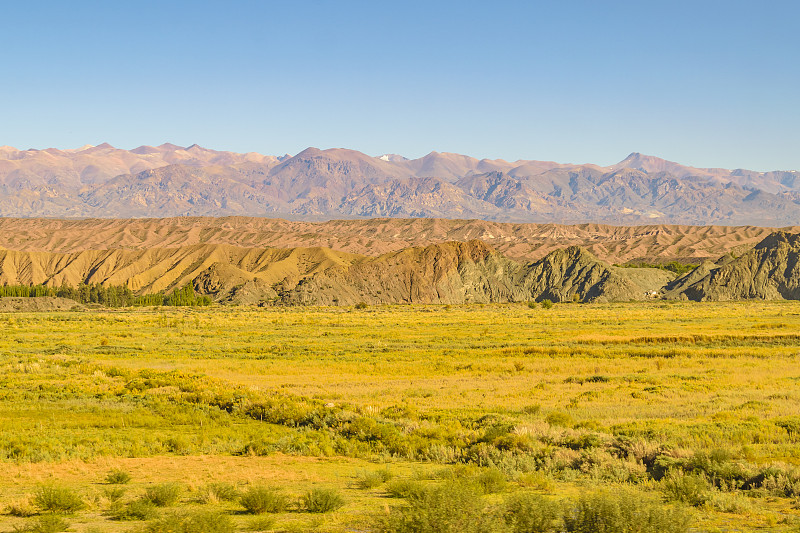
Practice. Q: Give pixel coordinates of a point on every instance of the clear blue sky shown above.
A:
(706, 83)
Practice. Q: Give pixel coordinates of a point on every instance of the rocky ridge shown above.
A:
(769, 271)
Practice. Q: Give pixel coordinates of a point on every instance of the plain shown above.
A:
(692, 407)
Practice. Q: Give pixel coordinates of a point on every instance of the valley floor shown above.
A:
(692, 407)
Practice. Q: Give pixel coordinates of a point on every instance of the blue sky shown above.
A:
(706, 83)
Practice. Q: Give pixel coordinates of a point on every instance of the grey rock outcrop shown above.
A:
(769, 271)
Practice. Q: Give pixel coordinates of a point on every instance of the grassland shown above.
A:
(689, 406)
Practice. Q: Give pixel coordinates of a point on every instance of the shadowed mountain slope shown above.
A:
(769, 271)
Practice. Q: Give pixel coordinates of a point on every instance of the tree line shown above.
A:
(110, 295)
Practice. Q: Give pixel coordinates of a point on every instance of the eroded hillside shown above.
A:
(524, 242)
(452, 272)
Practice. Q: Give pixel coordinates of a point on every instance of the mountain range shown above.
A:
(169, 180)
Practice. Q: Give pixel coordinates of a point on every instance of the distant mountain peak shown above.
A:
(145, 149)
(170, 147)
(636, 159)
(310, 152)
(392, 158)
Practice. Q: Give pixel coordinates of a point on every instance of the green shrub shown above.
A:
(198, 522)
(547, 304)
(361, 305)
(536, 480)
(114, 494)
(208, 522)
(557, 418)
(533, 409)
(118, 476)
(163, 495)
(491, 481)
(452, 507)
(692, 489)
(321, 500)
(459, 471)
(57, 500)
(219, 492)
(405, 488)
(532, 305)
(46, 524)
(370, 480)
(531, 513)
(260, 499)
(261, 523)
(21, 508)
(728, 502)
(622, 513)
(135, 510)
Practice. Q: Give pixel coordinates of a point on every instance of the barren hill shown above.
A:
(769, 271)
(523, 242)
(453, 272)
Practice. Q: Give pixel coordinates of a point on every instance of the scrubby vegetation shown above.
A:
(109, 295)
(197, 522)
(322, 500)
(675, 267)
(523, 421)
(258, 500)
(52, 499)
(118, 477)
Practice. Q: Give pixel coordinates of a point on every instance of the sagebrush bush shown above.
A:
(455, 472)
(405, 488)
(45, 524)
(536, 480)
(118, 476)
(780, 483)
(622, 513)
(218, 492)
(261, 523)
(491, 481)
(135, 510)
(559, 419)
(692, 489)
(261, 499)
(57, 500)
(531, 513)
(163, 494)
(321, 500)
(370, 480)
(728, 502)
(114, 494)
(198, 522)
(21, 508)
(455, 506)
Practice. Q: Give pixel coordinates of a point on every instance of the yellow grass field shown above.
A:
(575, 400)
